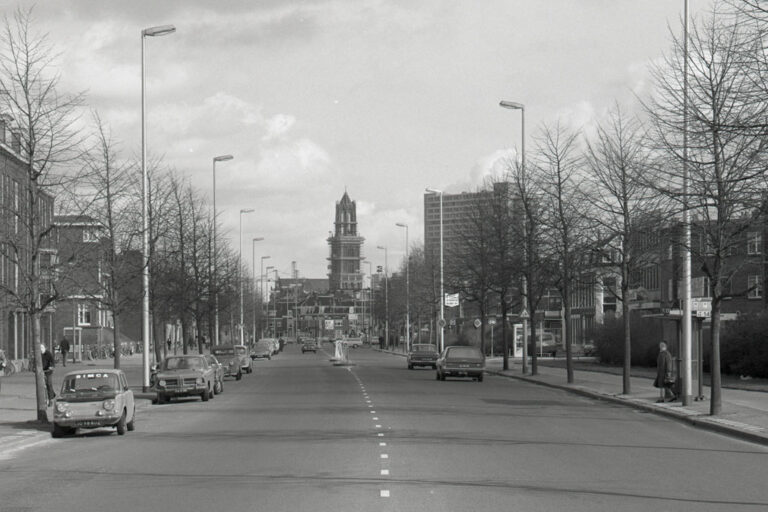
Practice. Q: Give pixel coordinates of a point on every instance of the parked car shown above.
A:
(422, 354)
(309, 346)
(461, 361)
(94, 399)
(229, 360)
(354, 342)
(263, 349)
(189, 375)
(219, 371)
(244, 354)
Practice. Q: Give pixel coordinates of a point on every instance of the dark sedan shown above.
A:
(460, 361)
(422, 354)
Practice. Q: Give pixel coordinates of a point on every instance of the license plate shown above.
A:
(463, 366)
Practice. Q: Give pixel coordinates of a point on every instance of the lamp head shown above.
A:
(258, 239)
(512, 104)
(161, 30)
(401, 225)
(381, 247)
(246, 210)
(222, 158)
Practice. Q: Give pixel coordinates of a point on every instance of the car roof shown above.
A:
(94, 370)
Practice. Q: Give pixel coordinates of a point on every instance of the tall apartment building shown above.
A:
(345, 249)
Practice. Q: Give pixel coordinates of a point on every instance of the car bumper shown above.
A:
(86, 421)
(462, 372)
(422, 362)
(182, 391)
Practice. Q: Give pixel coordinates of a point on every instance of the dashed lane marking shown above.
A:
(384, 456)
(382, 444)
(384, 493)
(384, 472)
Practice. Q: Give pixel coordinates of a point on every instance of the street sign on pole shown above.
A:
(492, 321)
(441, 322)
(477, 323)
(451, 300)
(524, 314)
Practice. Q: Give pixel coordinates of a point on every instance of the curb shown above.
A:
(704, 423)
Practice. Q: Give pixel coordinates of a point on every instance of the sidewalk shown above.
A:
(744, 413)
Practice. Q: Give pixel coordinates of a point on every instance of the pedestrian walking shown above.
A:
(64, 348)
(48, 364)
(665, 375)
(3, 363)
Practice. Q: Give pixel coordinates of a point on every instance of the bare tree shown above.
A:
(616, 159)
(559, 168)
(725, 155)
(48, 142)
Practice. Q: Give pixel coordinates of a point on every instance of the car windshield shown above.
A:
(464, 352)
(263, 344)
(90, 382)
(184, 363)
(240, 350)
(424, 348)
(223, 351)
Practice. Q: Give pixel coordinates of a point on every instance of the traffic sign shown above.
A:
(477, 323)
(451, 300)
(441, 322)
(491, 321)
(524, 314)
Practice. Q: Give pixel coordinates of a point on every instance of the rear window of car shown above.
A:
(240, 350)
(424, 348)
(463, 352)
(184, 363)
(223, 351)
(263, 344)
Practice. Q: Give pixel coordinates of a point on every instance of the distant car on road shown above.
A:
(422, 354)
(93, 399)
(461, 361)
(354, 342)
(229, 359)
(244, 354)
(309, 346)
(189, 375)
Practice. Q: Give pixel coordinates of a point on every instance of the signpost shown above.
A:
(451, 300)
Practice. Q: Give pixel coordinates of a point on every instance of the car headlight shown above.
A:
(61, 406)
(109, 405)
(200, 380)
(161, 383)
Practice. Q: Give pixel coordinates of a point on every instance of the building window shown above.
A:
(90, 235)
(755, 286)
(754, 243)
(83, 314)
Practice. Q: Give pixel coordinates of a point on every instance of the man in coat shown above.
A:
(64, 347)
(48, 364)
(665, 375)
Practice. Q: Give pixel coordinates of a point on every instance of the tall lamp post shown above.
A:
(240, 273)
(441, 321)
(407, 289)
(370, 300)
(269, 295)
(221, 158)
(261, 288)
(524, 314)
(161, 30)
(685, 350)
(386, 296)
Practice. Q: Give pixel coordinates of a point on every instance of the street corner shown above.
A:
(16, 437)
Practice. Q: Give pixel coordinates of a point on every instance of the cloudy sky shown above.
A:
(379, 97)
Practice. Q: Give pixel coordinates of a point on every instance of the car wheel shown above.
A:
(161, 398)
(206, 395)
(434, 367)
(437, 375)
(480, 378)
(132, 424)
(220, 387)
(410, 367)
(57, 431)
(121, 425)
(239, 376)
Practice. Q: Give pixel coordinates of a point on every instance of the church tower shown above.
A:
(346, 248)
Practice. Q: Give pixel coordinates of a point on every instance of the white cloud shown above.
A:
(278, 126)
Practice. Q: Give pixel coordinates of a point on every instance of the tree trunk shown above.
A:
(626, 381)
(40, 391)
(567, 334)
(504, 342)
(116, 335)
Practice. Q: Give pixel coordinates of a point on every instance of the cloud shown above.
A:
(277, 126)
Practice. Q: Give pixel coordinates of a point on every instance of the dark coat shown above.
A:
(664, 369)
(48, 362)
(64, 345)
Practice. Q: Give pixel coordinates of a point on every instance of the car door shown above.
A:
(130, 406)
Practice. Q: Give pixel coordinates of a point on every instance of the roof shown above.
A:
(75, 220)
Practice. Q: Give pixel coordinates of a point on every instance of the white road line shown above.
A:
(384, 456)
(373, 412)
(375, 418)
(384, 493)
(378, 426)
(385, 472)
(380, 434)
(382, 444)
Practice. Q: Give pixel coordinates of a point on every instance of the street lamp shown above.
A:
(269, 295)
(525, 314)
(261, 286)
(240, 272)
(221, 158)
(145, 322)
(370, 300)
(407, 290)
(685, 352)
(441, 322)
(386, 296)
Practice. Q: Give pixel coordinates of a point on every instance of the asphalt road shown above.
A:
(300, 434)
